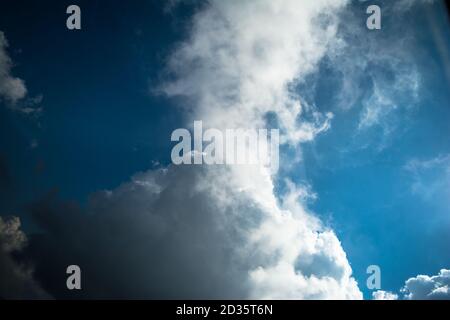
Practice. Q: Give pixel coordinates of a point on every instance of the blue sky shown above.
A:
(382, 186)
(366, 192)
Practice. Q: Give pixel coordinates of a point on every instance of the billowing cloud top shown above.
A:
(241, 57)
(421, 287)
(425, 287)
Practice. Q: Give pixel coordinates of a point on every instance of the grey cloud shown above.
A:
(16, 279)
(187, 232)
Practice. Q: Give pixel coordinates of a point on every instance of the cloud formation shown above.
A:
(430, 177)
(214, 231)
(377, 72)
(423, 287)
(16, 280)
(12, 89)
(236, 67)
(384, 295)
(191, 232)
(210, 232)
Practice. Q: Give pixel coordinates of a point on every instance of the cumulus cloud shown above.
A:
(425, 287)
(233, 70)
(421, 287)
(214, 231)
(384, 295)
(16, 280)
(191, 232)
(236, 67)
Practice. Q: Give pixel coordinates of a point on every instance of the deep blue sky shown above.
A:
(101, 124)
(100, 121)
(360, 177)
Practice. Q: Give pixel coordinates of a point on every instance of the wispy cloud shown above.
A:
(430, 177)
(13, 89)
(377, 72)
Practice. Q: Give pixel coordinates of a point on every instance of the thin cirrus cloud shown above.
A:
(430, 177)
(377, 73)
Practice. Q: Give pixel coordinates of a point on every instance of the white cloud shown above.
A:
(238, 64)
(384, 295)
(425, 287)
(11, 88)
(421, 287)
(241, 58)
(220, 231)
(416, 165)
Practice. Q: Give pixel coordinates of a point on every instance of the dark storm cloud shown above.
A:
(138, 241)
(187, 232)
(16, 279)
